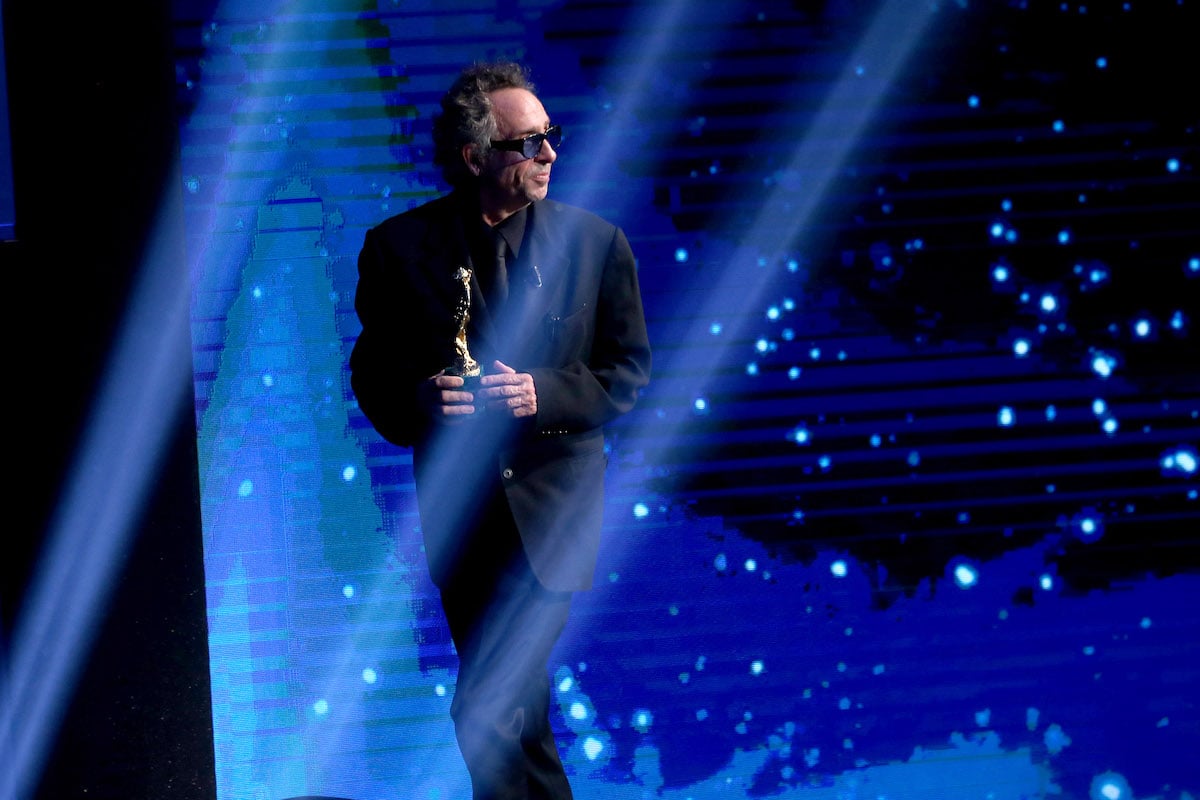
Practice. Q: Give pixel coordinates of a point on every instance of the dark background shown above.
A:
(94, 136)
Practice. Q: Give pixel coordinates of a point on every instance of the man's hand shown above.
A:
(509, 391)
(444, 400)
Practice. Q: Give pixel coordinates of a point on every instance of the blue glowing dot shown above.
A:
(369, 675)
(642, 720)
(566, 684)
(1110, 425)
(788, 334)
(268, 380)
(1021, 347)
(1110, 786)
(752, 368)
(321, 707)
(246, 488)
(878, 669)
(844, 704)
(773, 313)
(1193, 264)
(973, 101)
(348, 473)
(1064, 236)
(762, 345)
(797, 514)
(1142, 328)
(1177, 321)
(1103, 364)
(440, 690)
(1101, 62)
(681, 255)
(1099, 406)
(756, 668)
(715, 329)
(789, 304)
(800, 435)
(1179, 461)
(1087, 526)
(700, 405)
(1145, 623)
(348, 591)
(1006, 205)
(965, 576)
(592, 747)
(914, 459)
(257, 292)
(824, 462)
(751, 565)
(1048, 303)
(1098, 275)
(983, 718)
(640, 510)
(793, 373)
(964, 517)
(886, 208)
(876, 440)
(997, 230)
(1082, 198)
(1006, 417)
(1010, 235)
(720, 562)
(701, 715)
(1172, 165)
(815, 353)
(1051, 413)
(192, 185)
(1000, 273)
(578, 710)
(1046, 582)
(839, 568)
(793, 265)
(860, 70)
(1058, 126)
(1055, 739)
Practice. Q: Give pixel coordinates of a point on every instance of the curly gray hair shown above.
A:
(466, 116)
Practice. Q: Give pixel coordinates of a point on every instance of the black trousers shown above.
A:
(504, 624)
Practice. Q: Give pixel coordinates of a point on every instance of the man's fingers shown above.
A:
(500, 366)
(456, 410)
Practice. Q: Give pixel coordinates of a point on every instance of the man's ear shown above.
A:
(469, 158)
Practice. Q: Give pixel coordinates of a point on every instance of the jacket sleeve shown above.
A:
(383, 372)
(586, 394)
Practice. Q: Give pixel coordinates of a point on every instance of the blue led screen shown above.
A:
(909, 509)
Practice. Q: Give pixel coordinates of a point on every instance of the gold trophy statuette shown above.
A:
(464, 366)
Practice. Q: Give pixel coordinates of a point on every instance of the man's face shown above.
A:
(508, 181)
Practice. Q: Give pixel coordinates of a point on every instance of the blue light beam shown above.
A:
(146, 381)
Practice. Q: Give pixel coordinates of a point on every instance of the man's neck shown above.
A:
(493, 215)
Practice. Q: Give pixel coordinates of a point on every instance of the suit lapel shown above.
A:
(544, 263)
(446, 252)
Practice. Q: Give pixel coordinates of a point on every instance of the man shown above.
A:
(509, 467)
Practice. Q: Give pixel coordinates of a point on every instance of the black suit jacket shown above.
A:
(574, 321)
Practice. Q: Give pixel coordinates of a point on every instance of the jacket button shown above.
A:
(507, 474)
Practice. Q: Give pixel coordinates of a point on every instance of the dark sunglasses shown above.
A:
(531, 145)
